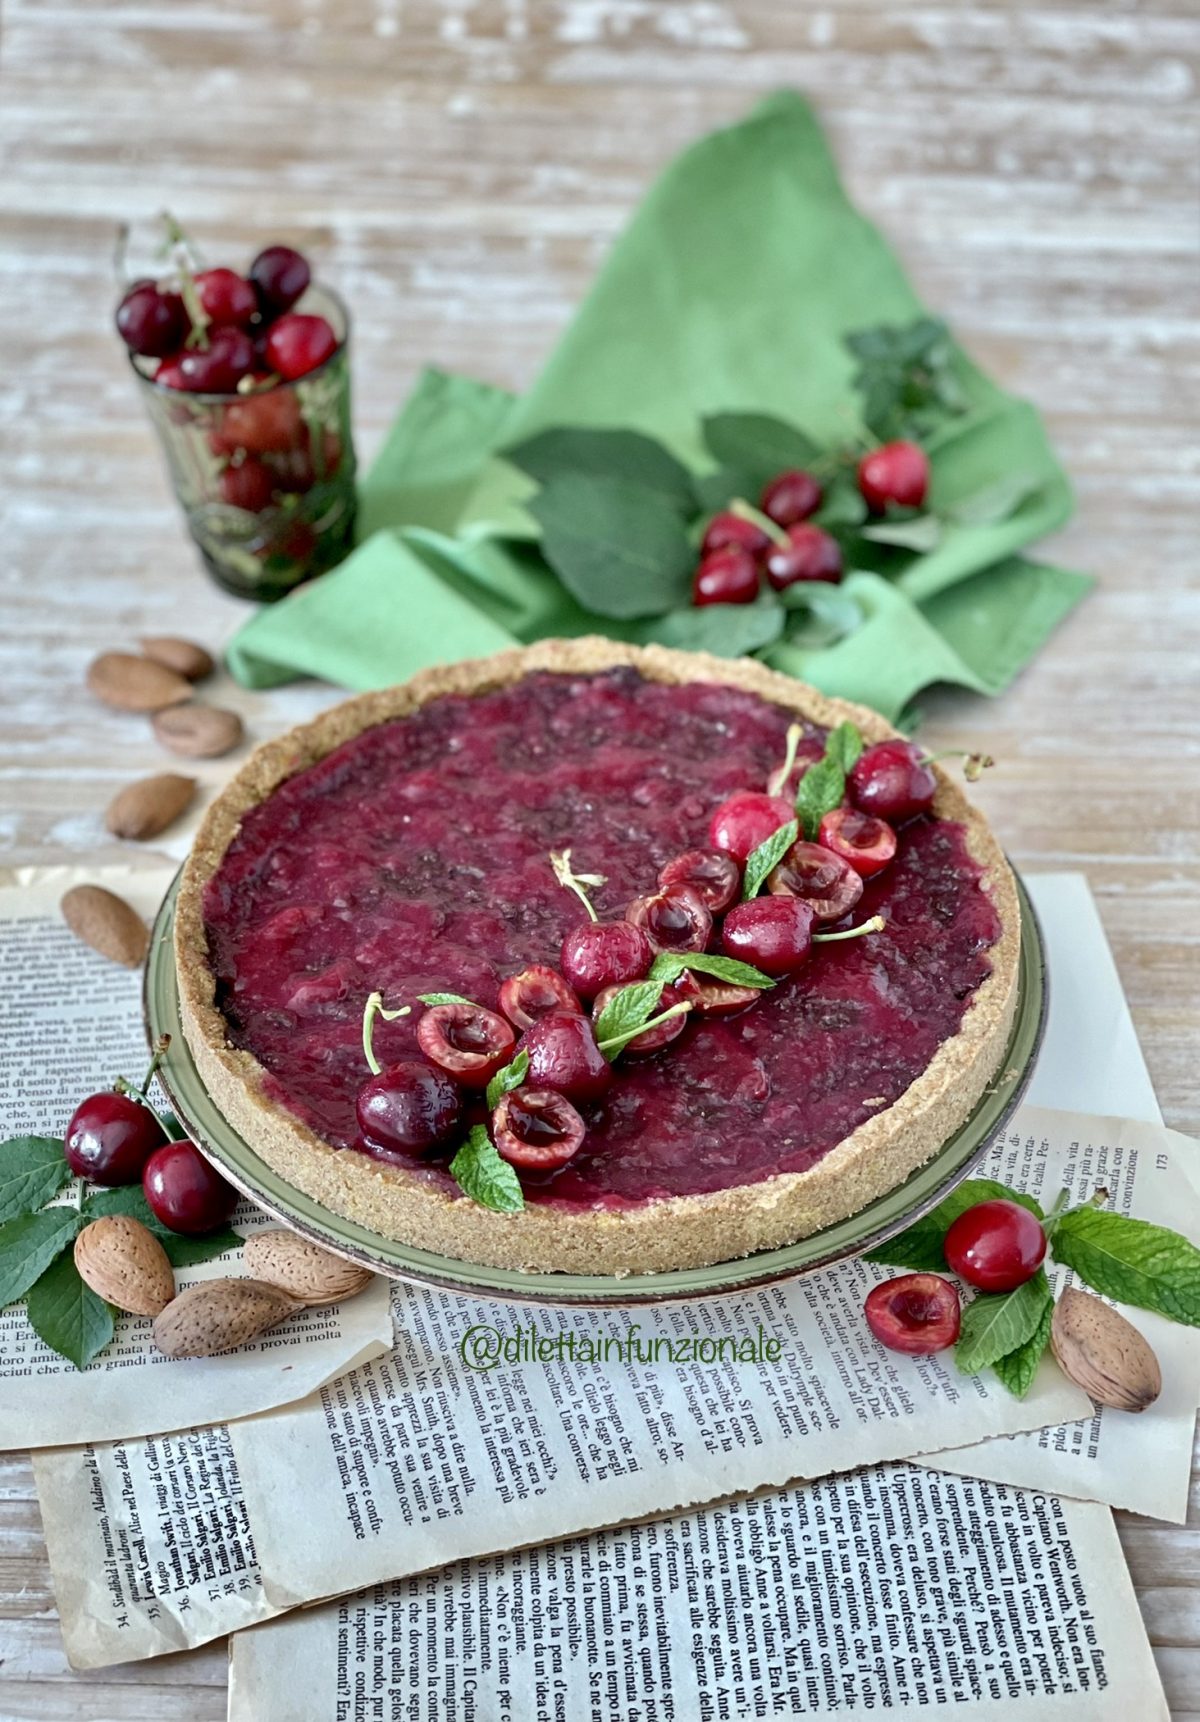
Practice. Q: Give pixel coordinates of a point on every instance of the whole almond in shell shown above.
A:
(220, 1315)
(142, 809)
(1103, 1353)
(124, 1263)
(304, 1270)
(134, 684)
(198, 731)
(185, 657)
(107, 923)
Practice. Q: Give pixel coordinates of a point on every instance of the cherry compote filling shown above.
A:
(415, 859)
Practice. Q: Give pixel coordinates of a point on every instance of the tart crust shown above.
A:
(661, 1233)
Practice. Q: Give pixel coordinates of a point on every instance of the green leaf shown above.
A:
(67, 1314)
(920, 1246)
(443, 998)
(768, 855)
(1132, 1261)
(669, 965)
(32, 1169)
(997, 1323)
(716, 490)
(480, 1173)
(845, 744)
(28, 1244)
(505, 1080)
(610, 453)
(627, 1011)
(996, 501)
(758, 446)
(183, 1251)
(821, 790)
(728, 630)
(906, 378)
(921, 532)
(818, 614)
(618, 548)
(1017, 1370)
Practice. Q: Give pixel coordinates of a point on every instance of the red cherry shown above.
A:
(892, 781)
(713, 876)
(534, 993)
(868, 844)
(790, 497)
(299, 343)
(184, 1191)
(406, 1109)
(663, 1033)
(110, 1138)
(726, 577)
(465, 1041)
(772, 933)
(220, 367)
(601, 954)
(916, 1313)
(150, 322)
(747, 819)
(897, 474)
(280, 276)
(249, 485)
(996, 1245)
(267, 423)
(227, 297)
(537, 1129)
(563, 1055)
(810, 554)
(731, 532)
(170, 375)
(825, 881)
(673, 919)
(296, 470)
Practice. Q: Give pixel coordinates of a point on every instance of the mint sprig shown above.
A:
(1131, 1261)
(669, 965)
(481, 1173)
(511, 1076)
(763, 860)
(1018, 1369)
(824, 784)
(627, 1012)
(995, 1324)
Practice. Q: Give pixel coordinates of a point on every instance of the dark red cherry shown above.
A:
(673, 919)
(267, 423)
(534, 993)
(226, 296)
(249, 485)
(280, 276)
(826, 882)
(747, 819)
(892, 781)
(218, 368)
(150, 322)
(726, 577)
(791, 497)
(407, 1109)
(868, 844)
(714, 877)
(110, 1138)
(916, 1313)
(537, 1129)
(663, 1033)
(996, 1245)
(599, 954)
(465, 1041)
(773, 934)
(895, 475)
(563, 1055)
(731, 532)
(299, 343)
(184, 1191)
(170, 375)
(810, 554)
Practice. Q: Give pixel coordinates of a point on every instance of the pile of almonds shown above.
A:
(125, 1264)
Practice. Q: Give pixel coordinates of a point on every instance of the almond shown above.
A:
(124, 1263)
(219, 1315)
(185, 657)
(134, 684)
(302, 1269)
(1103, 1353)
(107, 923)
(143, 809)
(198, 731)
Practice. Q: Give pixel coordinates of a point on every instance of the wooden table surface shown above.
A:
(458, 168)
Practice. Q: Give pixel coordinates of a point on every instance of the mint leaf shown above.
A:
(67, 1314)
(1017, 1370)
(920, 1246)
(728, 630)
(28, 1244)
(921, 532)
(627, 1011)
(757, 445)
(620, 549)
(1131, 1261)
(906, 378)
(821, 790)
(505, 1080)
(32, 1169)
(443, 998)
(669, 965)
(609, 453)
(845, 744)
(183, 1250)
(480, 1173)
(997, 1323)
(767, 856)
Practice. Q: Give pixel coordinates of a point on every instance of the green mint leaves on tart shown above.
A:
(824, 784)
(626, 1013)
(441, 999)
(506, 1079)
(767, 857)
(669, 965)
(484, 1176)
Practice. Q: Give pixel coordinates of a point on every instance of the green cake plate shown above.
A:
(236, 1158)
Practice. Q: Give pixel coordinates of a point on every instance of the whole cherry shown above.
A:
(280, 276)
(266, 423)
(747, 819)
(466, 1042)
(714, 876)
(601, 954)
(226, 297)
(915, 1313)
(299, 343)
(673, 918)
(893, 781)
(867, 843)
(726, 577)
(407, 1109)
(773, 934)
(996, 1245)
(249, 485)
(564, 1056)
(825, 881)
(537, 1129)
(184, 1191)
(150, 322)
(791, 497)
(110, 1138)
(810, 554)
(534, 993)
(895, 475)
(733, 532)
(218, 368)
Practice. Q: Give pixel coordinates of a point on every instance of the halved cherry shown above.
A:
(601, 954)
(673, 919)
(719, 998)
(537, 1129)
(467, 1042)
(916, 1313)
(868, 844)
(825, 881)
(745, 820)
(713, 876)
(563, 1055)
(663, 1033)
(534, 993)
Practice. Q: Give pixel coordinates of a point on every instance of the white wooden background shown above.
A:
(457, 168)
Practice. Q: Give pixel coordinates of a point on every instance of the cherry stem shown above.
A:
(778, 779)
(875, 925)
(974, 764)
(747, 511)
(372, 1009)
(615, 1042)
(123, 1086)
(560, 860)
(182, 253)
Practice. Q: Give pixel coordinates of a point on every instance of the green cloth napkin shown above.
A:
(731, 290)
